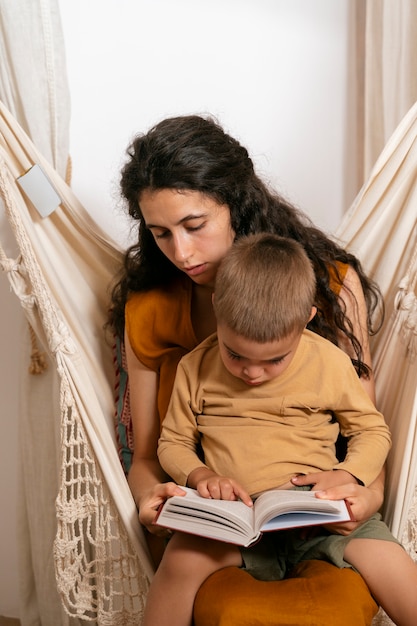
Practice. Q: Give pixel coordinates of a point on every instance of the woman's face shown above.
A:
(190, 228)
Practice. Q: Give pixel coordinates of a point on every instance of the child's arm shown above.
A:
(179, 439)
(211, 485)
(368, 436)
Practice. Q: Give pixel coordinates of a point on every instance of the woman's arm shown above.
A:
(146, 477)
(352, 295)
(364, 501)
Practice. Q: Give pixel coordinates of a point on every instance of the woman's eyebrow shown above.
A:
(186, 218)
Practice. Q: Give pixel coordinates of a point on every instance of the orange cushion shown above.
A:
(317, 593)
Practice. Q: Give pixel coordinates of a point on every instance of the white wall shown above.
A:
(274, 72)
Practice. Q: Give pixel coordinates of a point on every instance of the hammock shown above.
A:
(61, 278)
(381, 230)
(101, 560)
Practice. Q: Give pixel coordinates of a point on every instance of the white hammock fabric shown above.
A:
(61, 278)
(381, 229)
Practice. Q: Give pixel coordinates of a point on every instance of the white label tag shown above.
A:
(39, 190)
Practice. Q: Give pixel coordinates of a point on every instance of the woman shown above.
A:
(193, 191)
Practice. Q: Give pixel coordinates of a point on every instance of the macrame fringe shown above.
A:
(99, 575)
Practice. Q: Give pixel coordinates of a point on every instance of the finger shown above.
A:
(221, 488)
(214, 490)
(153, 500)
(226, 491)
(243, 495)
(160, 493)
(170, 489)
(203, 490)
(304, 479)
(340, 492)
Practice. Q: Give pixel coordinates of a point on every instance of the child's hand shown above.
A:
(223, 488)
(211, 485)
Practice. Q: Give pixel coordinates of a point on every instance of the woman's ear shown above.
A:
(212, 298)
(312, 314)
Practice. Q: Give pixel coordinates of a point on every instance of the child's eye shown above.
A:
(233, 356)
(277, 361)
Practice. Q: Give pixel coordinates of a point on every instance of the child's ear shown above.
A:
(312, 314)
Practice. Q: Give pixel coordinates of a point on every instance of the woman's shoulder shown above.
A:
(158, 298)
(166, 310)
(337, 274)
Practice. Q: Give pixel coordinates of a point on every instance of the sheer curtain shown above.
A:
(387, 45)
(33, 79)
(33, 86)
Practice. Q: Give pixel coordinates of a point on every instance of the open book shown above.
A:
(235, 522)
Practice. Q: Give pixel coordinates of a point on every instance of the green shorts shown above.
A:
(278, 552)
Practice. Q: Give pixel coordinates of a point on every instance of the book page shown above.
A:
(193, 512)
(301, 505)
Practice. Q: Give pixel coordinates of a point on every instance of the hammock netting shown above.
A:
(61, 276)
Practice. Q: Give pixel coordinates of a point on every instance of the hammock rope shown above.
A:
(406, 302)
(100, 575)
(38, 362)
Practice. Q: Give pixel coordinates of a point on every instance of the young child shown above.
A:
(265, 400)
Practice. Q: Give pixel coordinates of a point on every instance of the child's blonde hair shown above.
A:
(265, 288)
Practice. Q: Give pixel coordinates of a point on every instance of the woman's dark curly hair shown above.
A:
(195, 153)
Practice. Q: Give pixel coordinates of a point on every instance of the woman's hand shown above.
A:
(152, 500)
(363, 501)
(320, 481)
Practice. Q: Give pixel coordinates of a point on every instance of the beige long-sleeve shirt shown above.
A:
(263, 436)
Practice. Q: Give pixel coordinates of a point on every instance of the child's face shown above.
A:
(255, 363)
